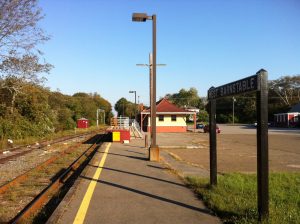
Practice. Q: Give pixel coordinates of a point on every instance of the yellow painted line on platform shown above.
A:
(89, 193)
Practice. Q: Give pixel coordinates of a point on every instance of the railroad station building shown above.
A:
(169, 118)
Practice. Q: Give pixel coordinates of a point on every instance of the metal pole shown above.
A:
(135, 105)
(97, 117)
(151, 90)
(262, 146)
(233, 99)
(153, 106)
(213, 143)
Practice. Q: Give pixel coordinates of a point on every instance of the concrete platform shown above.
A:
(130, 189)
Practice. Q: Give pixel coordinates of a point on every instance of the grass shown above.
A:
(234, 199)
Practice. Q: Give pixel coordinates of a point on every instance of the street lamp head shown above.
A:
(131, 91)
(139, 17)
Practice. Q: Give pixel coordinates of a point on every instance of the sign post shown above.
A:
(258, 83)
(262, 146)
(212, 142)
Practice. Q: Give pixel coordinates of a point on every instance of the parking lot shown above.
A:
(236, 148)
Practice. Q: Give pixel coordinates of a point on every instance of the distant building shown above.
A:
(169, 117)
(290, 119)
(82, 123)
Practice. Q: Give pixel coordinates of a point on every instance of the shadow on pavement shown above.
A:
(132, 157)
(140, 153)
(139, 175)
(150, 195)
(157, 167)
(133, 146)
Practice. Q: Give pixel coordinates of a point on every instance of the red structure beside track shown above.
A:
(82, 123)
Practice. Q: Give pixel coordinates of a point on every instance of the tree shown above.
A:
(19, 57)
(203, 116)
(19, 31)
(287, 88)
(104, 105)
(186, 98)
(16, 72)
(125, 108)
(32, 117)
(81, 94)
(244, 110)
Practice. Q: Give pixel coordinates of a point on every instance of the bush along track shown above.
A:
(234, 199)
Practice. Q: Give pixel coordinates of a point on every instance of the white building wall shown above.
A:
(180, 121)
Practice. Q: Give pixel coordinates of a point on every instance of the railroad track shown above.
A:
(18, 151)
(29, 192)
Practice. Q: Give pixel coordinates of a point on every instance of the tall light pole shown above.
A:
(233, 100)
(142, 17)
(133, 91)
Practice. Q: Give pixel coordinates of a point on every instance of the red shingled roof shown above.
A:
(164, 106)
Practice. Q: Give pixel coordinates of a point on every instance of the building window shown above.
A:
(173, 117)
(161, 117)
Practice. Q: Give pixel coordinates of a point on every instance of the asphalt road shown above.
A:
(251, 129)
(237, 148)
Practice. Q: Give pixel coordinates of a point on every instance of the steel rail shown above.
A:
(38, 202)
(22, 177)
(43, 144)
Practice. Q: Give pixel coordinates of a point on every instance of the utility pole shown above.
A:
(233, 100)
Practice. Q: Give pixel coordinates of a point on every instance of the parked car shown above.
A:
(206, 129)
(269, 124)
(199, 126)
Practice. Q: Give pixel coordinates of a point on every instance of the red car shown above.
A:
(206, 129)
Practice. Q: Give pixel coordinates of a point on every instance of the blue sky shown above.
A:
(95, 46)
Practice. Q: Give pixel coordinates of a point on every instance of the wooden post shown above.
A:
(146, 140)
(212, 142)
(195, 121)
(262, 146)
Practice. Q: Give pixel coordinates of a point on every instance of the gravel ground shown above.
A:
(20, 165)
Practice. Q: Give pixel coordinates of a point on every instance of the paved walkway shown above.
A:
(130, 189)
